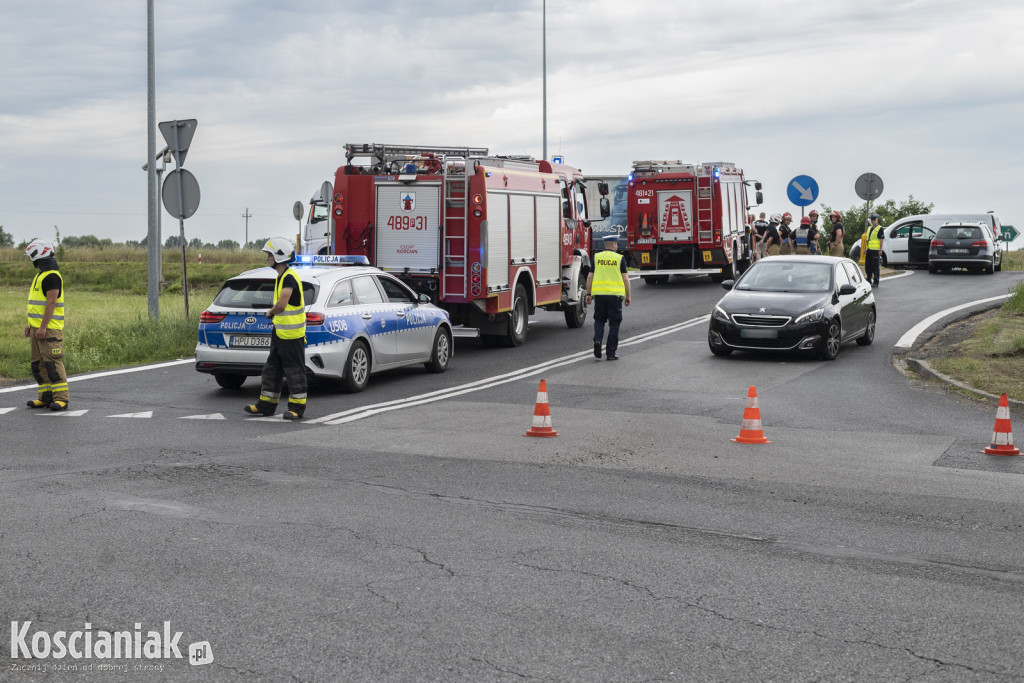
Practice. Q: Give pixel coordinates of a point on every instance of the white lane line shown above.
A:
(215, 416)
(144, 414)
(367, 411)
(911, 335)
(6, 410)
(109, 373)
(63, 413)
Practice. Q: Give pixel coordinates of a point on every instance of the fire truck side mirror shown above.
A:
(602, 188)
(606, 207)
(759, 197)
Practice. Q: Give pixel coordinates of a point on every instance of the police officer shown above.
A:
(608, 285)
(835, 238)
(802, 236)
(873, 251)
(45, 328)
(287, 357)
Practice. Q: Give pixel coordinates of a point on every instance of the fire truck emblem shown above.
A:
(673, 217)
(408, 201)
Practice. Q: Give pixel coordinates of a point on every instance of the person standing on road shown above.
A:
(786, 234)
(835, 238)
(287, 357)
(760, 225)
(802, 236)
(812, 236)
(873, 251)
(45, 328)
(771, 240)
(608, 286)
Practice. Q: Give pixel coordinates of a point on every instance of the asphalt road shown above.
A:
(412, 532)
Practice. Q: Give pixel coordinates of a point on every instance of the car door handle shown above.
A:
(367, 316)
(400, 314)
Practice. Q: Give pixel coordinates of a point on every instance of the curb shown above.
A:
(925, 370)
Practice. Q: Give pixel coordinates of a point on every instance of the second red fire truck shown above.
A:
(488, 238)
(688, 219)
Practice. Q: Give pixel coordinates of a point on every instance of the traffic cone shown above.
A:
(541, 414)
(1002, 434)
(750, 430)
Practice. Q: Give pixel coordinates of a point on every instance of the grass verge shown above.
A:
(992, 359)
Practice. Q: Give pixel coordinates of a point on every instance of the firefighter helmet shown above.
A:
(787, 215)
(280, 248)
(835, 216)
(813, 212)
(806, 220)
(38, 249)
(776, 218)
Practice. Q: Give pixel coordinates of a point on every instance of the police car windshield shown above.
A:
(254, 294)
(787, 276)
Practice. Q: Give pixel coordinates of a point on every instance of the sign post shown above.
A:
(181, 190)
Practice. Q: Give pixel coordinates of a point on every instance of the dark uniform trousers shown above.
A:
(873, 266)
(607, 308)
(287, 360)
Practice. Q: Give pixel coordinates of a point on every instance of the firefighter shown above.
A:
(760, 225)
(873, 251)
(608, 285)
(287, 357)
(45, 328)
(771, 239)
(786, 234)
(835, 238)
(802, 236)
(812, 237)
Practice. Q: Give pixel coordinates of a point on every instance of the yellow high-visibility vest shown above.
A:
(291, 322)
(37, 303)
(874, 232)
(608, 274)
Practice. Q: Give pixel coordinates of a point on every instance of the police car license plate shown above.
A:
(250, 341)
(957, 251)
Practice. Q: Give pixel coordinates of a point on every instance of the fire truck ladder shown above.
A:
(705, 231)
(455, 224)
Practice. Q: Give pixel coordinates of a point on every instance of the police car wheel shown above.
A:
(230, 381)
(442, 351)
(357, 368)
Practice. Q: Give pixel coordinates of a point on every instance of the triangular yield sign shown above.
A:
(186, 129)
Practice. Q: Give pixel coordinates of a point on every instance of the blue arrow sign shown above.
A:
(802, 190)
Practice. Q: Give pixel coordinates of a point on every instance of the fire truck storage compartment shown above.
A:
(675, 212)
(523, 228)
(496, 250)
(408, 227)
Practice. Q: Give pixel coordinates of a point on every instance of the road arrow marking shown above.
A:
(144, 414)
(804, 193)
(215, 416)
(6, 410)
(64, 413)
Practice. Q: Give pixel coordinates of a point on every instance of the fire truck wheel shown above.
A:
(577, 315)
(441, 353)
(357, 368)
(518, 320)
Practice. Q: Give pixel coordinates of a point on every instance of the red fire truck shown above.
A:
(488, 238)
(684, 219)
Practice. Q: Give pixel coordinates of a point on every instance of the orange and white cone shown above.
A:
(541, 414)
(750, 430)
(1002, 434)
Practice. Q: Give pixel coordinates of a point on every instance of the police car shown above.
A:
(359, 321)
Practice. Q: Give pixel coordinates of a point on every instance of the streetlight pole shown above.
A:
(544, 61)
(153, 240)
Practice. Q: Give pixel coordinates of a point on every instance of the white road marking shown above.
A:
(6, 410)
(215, 416)
(64, 413)
(108, 373)
(911, 335)
(367, 411)
(143, 414)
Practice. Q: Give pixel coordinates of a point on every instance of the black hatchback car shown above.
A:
(794, 303)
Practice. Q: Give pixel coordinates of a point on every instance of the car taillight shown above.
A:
(207, 317)
(979, 243)
(314, 319)
(937, 243)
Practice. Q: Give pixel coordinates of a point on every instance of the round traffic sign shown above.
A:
(868, 187)
(189, 193)
(297, 210)
(802, 190)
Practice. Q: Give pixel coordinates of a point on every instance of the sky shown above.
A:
(927, 94)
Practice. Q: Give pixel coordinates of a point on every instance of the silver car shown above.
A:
(359, 321)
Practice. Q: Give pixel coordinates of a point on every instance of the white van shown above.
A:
(907, 240)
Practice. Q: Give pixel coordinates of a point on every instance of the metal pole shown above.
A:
(544, 52)
(153, 239)
(181, 219)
